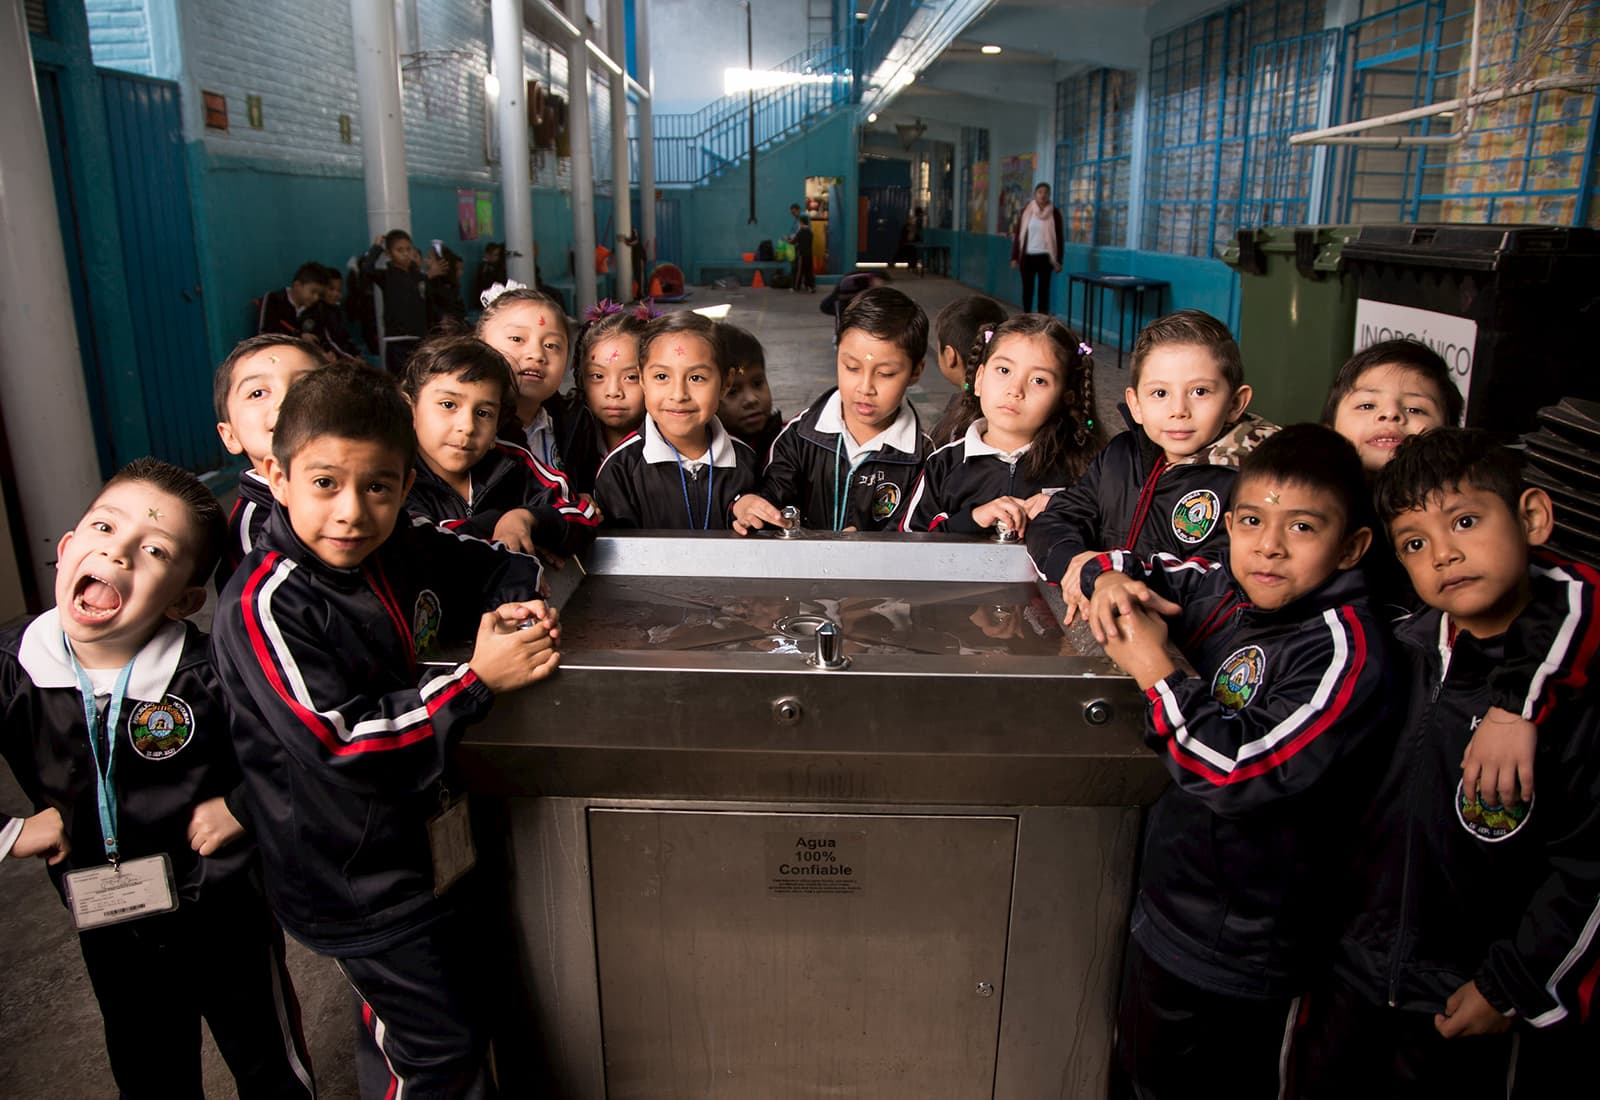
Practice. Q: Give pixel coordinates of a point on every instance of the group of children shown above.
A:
(1325, 895)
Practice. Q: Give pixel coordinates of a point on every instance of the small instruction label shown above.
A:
(816, 863)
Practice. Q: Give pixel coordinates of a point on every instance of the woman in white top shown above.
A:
(1036, 247)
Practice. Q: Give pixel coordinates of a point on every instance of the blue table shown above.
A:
(1125, 287)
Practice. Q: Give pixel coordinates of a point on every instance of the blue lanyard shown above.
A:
(104, 771)
(841, 497)
(711, 478)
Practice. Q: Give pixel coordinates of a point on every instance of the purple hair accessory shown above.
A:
(646, 310)
(1084, 349)
(605, 307)
(988, 335)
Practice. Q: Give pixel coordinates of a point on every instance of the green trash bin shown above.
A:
(1297, 312)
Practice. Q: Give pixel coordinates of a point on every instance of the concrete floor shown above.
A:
(51, 1045)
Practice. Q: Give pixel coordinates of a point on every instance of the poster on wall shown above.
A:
(978, 201)
(1454, 338)
(1016, 189)
(467, 214)
(486, 214)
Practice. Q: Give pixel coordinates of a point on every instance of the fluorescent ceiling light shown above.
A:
(991, 49)
(715, 313)
(873, 117)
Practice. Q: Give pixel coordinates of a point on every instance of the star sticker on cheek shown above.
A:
(153, 513)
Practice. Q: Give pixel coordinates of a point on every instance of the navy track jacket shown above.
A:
(173, 750)
(967, 474)
(1269, 748)
(1132, 498)
(1449, 891)
(809, 467)
(343, 737)
(506, 478)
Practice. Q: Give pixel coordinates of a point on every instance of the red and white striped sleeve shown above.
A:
(283, 680)
(1270, 721)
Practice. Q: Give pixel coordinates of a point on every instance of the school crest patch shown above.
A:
(885, 499)
(1195, 516)
(1239, 678)
(159, 730)
(425, 621)
(1490, 823)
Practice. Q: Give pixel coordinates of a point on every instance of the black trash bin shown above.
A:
(1512, 308)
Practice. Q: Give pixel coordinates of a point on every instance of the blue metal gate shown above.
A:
(160, 265)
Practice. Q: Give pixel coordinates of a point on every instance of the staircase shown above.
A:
(861, 66)
(694, 148)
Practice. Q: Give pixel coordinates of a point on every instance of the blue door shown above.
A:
(160, 265)
(52, 110)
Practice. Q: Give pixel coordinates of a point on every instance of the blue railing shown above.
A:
(692, 148)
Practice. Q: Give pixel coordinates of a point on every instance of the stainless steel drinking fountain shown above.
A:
(818, 816)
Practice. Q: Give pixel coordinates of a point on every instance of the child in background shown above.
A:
(284, 312)
(608, 366)
(1161, 488)
(1268, 749)
(345, 739)
(955, 336)
(394, 268)
(530, 329)
(654, 478)
(246, 392)
(1031, 406)
(335, 333)
(445, 308)
(111, 693)
(849, 461)
(466, 479)
(747, 410)
(805, 275)
(1468, 956)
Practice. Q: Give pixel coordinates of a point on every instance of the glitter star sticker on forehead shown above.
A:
(1272, 498)
(153, 513)
(541, 320)
(677, 349)
(614, 356)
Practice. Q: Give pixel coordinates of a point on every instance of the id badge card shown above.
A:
(98, 896)
(450, 839)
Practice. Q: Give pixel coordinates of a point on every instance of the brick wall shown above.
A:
(297, 55)
(119, 35)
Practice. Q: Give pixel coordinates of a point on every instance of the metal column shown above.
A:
(647, 139)
(383, 143)
(582, 163)
(516, 188)
(621, 189)
(46, 410)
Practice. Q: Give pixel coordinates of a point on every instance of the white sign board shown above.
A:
(1454, 338)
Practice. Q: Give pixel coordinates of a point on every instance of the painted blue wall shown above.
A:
(983, 262)
(257, 220)
(716, 215)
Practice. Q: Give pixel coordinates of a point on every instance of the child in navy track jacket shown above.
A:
(1469, 956)
(681, 470)
(345, 739)
(246, 392)
(1023, 430)
(1269, 747)
(467, 480)
(1160, 489)
(152, 788)
(849, 462)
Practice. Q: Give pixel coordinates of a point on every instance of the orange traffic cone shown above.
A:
(655, 287)
(758, 282)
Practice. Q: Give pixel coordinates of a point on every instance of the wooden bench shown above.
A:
(767, 268)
